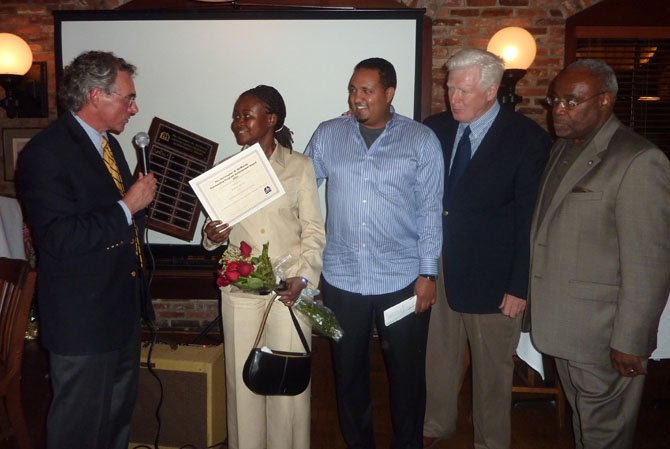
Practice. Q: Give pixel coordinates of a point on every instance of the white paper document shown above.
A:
(399, 311)
(238, 186)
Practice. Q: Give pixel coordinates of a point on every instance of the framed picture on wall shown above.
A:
(13, 141)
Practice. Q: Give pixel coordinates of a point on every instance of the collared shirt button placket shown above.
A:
(364, 259)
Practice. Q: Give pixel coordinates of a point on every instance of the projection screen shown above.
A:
(193, 66)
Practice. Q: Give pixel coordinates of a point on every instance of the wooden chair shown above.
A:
(528, 382)
(17, 284)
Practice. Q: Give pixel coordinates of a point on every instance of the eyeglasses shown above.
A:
(129, 99)
(569, 104)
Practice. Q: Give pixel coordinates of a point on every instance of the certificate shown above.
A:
(238, 186)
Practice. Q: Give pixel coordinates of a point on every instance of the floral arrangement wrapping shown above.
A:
(257, 274)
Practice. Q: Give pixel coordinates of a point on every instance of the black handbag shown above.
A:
(280, 372)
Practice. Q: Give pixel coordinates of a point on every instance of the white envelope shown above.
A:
(399, 311)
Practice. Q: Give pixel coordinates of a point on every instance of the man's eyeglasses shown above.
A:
(569, 104)
(129, 99)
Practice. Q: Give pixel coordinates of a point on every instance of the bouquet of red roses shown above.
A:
(256, 274)
(249, 274)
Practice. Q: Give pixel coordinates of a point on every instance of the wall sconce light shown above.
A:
(23, 81)
(517, 48)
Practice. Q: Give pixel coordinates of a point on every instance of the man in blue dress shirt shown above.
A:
(385, 177)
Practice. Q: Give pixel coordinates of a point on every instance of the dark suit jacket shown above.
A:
(88, 284)
(487, 225)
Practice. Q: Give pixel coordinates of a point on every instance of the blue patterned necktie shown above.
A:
(461, 159)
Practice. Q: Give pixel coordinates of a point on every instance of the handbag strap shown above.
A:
(297, 327)
(303, 340)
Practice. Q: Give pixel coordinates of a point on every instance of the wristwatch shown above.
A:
(430, 277)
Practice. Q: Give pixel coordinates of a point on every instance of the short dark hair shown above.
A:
(87, 71)
(274, 104)
(387, 76)
(601, 70)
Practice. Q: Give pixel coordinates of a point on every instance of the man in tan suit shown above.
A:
(600, 256)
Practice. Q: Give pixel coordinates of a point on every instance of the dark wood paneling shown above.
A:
(183, 272)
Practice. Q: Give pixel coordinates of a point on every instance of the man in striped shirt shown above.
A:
(385, 177)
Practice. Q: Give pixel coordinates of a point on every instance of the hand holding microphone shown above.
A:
(141, 193)
(143, 190)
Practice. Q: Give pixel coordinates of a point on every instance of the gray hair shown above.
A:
(87, 71)
(601, 70)
(491, 66)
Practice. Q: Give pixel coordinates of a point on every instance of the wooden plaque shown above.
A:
(175, 156)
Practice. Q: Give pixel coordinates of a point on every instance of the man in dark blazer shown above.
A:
(495, 158)
(90, 288)
(600, 256)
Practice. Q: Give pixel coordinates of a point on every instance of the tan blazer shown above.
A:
(293, 224)
(600, 254)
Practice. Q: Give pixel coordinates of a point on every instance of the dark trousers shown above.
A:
(94, 396)
(404, 348)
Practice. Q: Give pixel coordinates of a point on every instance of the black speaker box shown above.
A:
(194, 398)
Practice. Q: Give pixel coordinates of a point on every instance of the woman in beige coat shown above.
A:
(293, 225)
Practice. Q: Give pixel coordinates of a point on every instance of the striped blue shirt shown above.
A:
(384, 224)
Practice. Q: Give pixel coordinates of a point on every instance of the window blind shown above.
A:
(642, 67)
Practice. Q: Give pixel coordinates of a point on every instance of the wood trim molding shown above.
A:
(621, 32)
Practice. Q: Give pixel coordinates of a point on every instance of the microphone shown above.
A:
(142, 140)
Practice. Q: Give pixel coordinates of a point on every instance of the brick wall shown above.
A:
(192, 314)
(463, 23)
(456, 24)
(33, 21)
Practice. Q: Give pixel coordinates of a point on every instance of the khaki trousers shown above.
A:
(604, 404)
(493, 339)
(255, 421)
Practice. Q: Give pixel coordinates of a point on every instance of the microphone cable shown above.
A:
(154, 339)
(153, 329)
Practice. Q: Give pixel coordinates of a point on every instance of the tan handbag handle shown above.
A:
(265, 318)
(295, 323)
